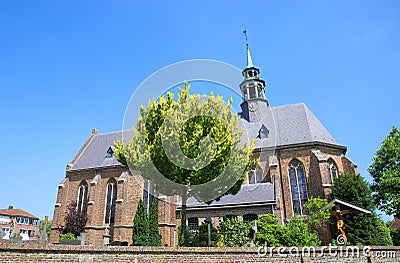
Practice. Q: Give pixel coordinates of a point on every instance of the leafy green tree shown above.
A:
(140, 233)
(318, 212)
(269, 231)
(234, 232)
(385, 169)
(202, 235)
(154, 232)
(202, 139)
(296, 234)
(361, 229)
(354, 189)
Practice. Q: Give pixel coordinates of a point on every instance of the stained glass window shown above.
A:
(82, 196)
(298, 186)
(332, 170)
(110, 202)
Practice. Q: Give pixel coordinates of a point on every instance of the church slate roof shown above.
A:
(294, 125)
(248, 195)
(288, 125)
(95, 153)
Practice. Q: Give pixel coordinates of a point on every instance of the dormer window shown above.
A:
(110, 152)
(263, 133)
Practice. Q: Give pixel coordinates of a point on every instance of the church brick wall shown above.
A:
(129, 191)
(92, 254)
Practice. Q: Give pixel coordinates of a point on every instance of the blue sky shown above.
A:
(68, 66)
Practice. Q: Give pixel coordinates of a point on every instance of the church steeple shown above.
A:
(252, 87)
(249, 60)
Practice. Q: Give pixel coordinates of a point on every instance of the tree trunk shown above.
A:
(183, 221)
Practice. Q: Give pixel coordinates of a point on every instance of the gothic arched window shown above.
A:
(298, 186)
(148, 194)
(82, 196)
(110, 202)
(332, 170)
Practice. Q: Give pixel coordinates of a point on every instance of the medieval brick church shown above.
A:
(298, 159)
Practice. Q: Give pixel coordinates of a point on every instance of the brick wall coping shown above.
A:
(151, 250)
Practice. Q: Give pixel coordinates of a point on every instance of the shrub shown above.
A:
(68, 236)
(234, 232)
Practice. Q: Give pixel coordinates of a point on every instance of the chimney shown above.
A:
(10, 207)
(94, 131)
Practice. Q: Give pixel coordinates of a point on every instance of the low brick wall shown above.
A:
(89, 254)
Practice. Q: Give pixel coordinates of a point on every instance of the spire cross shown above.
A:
(245, 34)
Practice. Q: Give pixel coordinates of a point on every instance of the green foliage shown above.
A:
(48, 228)
(318, 212)
(68, 236)
(354, 189)
(395, 233)
(296, 234)
(361, 229)
(269, 231)
(234, 232)
(385, 169)
(367, 230)
(154, 232)
(202, 236)
(145, 230)
(140, 233)
(146, 151)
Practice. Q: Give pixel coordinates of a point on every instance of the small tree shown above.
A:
(140, 230)
(202, 235)
(75, 220)
(269, 231)
(234, 232)
(192, 121)
(385, 169)
(154, 232)
(318, 212)
(296, 234)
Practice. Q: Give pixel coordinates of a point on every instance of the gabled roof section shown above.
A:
(95, 154)
(297, 124)
(16, 212)
(248, 195)
(287, 126)
(344, 204)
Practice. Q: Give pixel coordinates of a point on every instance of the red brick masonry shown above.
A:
(63, 253)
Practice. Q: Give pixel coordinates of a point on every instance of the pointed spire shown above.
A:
(249, 60)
